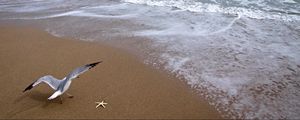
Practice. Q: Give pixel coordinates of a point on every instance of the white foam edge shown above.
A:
(76, 13)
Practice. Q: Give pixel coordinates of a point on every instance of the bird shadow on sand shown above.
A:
(30, 101)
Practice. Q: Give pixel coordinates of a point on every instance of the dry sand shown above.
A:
(131, 89)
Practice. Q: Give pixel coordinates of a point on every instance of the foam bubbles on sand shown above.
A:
(245, 67)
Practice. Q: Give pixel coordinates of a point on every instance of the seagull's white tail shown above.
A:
(54, 95)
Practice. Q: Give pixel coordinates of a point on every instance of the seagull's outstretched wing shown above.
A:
(75, 73)
(50, 80)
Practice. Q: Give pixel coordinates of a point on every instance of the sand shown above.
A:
(131, 89)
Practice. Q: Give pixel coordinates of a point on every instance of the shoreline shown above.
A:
(132, 89)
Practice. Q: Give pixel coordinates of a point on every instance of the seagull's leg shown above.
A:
(69, 95)
(60, 100)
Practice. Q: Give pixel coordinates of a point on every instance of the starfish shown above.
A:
(102, 103)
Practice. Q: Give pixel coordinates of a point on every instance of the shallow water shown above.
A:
(243, 56)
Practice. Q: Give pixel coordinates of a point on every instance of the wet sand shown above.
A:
(131, 89)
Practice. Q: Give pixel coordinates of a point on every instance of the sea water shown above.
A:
(243, 56)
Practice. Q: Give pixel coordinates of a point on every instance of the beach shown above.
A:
(161, 58)
(131, 89)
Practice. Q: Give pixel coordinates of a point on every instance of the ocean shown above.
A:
(243, 56)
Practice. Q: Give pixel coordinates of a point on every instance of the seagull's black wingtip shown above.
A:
(94, 64)
(29, 87)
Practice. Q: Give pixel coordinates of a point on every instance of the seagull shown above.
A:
(102, 103)
(61, 86)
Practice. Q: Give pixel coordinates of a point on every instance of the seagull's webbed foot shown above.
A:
(61, 102)
(69, 95)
